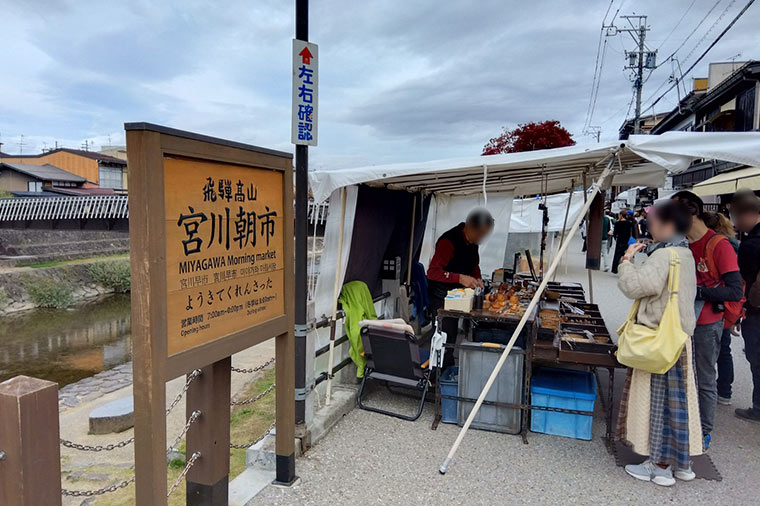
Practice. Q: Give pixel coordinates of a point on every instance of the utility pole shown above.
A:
(21, 145)
(639, 60)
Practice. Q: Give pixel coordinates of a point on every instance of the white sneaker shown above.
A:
(685, 474)
(649, 471)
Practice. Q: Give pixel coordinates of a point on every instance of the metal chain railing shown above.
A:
(248, 445)
(100, 491)
(193, 417)
(121, 444)
(190, 378)
(195, 456)
(254, 369)
(97, 448)
(255, 398)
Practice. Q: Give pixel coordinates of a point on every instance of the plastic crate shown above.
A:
(567, 389)
(476, 362)
(449, 386)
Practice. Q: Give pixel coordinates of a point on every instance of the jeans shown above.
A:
(751, 334)
(706, 350)
(725, 366)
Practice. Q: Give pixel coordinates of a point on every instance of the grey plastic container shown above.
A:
(476, 363)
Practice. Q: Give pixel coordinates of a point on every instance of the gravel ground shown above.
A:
(374, 459)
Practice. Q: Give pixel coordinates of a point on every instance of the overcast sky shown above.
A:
(399, 80)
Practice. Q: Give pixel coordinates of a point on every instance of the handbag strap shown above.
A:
(674, 274)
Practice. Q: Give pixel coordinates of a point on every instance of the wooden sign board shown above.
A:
(211, 240)
(224, 250)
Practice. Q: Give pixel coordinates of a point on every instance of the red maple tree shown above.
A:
(529, 137)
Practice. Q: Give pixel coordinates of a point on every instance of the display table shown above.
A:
(553, 352)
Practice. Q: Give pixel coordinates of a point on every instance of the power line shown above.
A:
(678, 24)
(683, 43)
(720, 36)
(597, 71)
(709, 30)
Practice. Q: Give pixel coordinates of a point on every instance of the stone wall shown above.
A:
(29, 246)
(15, 297)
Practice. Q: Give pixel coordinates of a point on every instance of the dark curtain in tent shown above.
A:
(381, 230)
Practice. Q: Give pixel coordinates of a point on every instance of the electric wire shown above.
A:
(717, 39)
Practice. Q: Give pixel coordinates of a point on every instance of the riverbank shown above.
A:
(62, 284)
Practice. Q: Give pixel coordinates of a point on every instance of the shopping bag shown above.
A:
(654, 350)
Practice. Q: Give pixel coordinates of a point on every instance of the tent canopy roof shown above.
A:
(644, 159)
(729, 182)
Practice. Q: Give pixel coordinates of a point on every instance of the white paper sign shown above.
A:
(305, 93)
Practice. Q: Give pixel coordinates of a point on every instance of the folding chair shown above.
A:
(393, 355)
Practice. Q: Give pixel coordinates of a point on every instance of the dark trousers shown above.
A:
(751, 334)
(620, 248)
(725, 366)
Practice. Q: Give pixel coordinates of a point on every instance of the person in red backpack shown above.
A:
(745, 213)
(731, 316)
(718, 282)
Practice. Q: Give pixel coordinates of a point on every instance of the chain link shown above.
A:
(190, 378)
(100, 491)
(254, 369)
(193, 417)
(98, 448)
(248, 445)
(253, 399)
(184, 472)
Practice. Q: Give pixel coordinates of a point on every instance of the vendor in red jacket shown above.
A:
(455, 264)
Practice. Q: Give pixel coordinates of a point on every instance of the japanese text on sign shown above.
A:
(305, 93)
(224, 232)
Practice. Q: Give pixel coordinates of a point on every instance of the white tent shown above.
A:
(461, 183)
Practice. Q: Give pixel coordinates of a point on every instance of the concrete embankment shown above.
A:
(62, 285)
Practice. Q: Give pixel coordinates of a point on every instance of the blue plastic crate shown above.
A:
(567, 389)
(449, 386)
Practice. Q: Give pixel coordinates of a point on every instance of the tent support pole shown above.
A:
(411, 242)
(336, 293)
(564, 223)
(533, 303)
(590, 279)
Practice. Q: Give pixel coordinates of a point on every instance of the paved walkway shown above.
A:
(89, 470)
(373, 459)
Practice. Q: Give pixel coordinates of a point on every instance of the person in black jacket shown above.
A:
(622, 232)
(745, 213)
(456, 264)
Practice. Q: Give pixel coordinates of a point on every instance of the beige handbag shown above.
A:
(654, 350)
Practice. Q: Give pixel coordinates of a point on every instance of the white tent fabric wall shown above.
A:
(526, 217)
(447, 211)
(323, 295)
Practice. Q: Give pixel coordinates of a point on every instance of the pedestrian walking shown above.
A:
(622, 232)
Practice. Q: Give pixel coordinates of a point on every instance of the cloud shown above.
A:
(399, 80)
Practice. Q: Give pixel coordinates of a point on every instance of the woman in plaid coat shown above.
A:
(659, 413)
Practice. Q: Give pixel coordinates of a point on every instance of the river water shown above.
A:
(66, 345)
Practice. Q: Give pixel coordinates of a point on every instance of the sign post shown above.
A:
(302, 190)
(211, 258)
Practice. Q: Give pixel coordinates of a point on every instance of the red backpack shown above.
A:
(734, 308)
